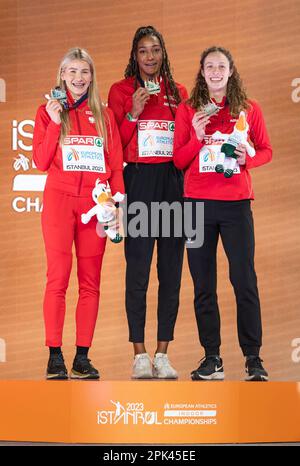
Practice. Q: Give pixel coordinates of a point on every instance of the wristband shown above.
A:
(130, 117)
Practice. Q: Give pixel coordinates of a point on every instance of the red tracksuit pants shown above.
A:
(61, 224)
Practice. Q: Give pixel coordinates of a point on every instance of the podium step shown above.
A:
(137, 412)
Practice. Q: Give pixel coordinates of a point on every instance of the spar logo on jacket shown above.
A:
(155, 138)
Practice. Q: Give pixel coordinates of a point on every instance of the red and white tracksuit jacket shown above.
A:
(68, 194)
(211, 185)
(155, 118)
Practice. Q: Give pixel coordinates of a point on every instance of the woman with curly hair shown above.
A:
(145, 104)
(218, 117)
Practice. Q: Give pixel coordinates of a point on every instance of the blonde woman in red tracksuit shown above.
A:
(76, 145)
(226, 198)
(146, 123)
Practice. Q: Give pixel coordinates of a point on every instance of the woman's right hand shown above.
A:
(139, 100)
(199, 122)
(53, 109)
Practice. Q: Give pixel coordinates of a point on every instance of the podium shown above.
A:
(133, 412)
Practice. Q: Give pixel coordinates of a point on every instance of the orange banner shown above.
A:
(149, 412)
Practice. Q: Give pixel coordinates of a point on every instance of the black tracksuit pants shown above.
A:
(232, 220)
(150, 183)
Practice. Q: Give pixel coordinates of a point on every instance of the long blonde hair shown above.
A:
(94, 101)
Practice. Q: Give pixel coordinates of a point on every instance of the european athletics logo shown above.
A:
(148, 141)
(72, 154)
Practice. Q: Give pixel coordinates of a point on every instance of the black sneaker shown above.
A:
(254, 370)
(83, 369)
(56, 369)
(210, 369)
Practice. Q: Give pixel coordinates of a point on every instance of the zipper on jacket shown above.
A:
(81, 173)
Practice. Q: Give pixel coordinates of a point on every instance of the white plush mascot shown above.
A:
(104, 209)
(226, 160)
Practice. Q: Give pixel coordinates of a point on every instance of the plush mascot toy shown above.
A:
(226, 159)
(104, 209)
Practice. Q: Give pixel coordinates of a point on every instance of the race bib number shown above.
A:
(210, 155)
(83, 153)
(155, 138)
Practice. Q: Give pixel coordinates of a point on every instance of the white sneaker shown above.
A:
(142, 367)
(162, 368)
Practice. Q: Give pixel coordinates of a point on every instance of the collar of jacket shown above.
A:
(220, 104)
(71, 102)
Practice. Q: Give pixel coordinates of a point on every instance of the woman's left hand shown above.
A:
(241, 152)
(117, 222)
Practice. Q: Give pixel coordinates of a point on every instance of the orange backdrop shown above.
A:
(264, 38)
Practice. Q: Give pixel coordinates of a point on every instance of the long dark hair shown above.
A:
(235, 94)
(132, 68)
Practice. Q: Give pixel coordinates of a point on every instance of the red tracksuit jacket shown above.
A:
(213, 185)
(156, 111)
(47, 153)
